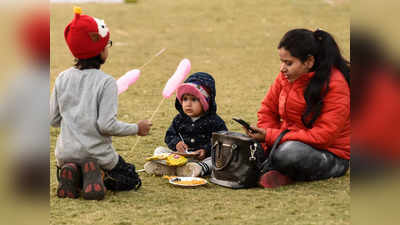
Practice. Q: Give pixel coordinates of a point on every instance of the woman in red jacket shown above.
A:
(310, 98)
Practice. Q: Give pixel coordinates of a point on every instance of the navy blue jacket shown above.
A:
(197, 134)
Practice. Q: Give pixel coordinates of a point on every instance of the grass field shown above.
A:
(233, 40)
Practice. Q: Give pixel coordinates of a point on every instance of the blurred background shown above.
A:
(375, 53)
(24, 97)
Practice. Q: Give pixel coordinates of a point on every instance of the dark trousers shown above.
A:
(301, 162)
(122, 177)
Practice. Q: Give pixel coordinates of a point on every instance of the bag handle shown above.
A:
(217, 146)
(264, 166)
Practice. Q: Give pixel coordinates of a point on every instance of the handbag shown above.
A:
(234, 160)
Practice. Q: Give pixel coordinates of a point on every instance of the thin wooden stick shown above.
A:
(140, 68)
(151, 59)
(152, 116)
(158, 107)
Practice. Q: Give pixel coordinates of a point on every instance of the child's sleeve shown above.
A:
(55, 116)
(171, 137)
(218, 125)
(107, 116)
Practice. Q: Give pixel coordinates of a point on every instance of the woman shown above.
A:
(311, 98)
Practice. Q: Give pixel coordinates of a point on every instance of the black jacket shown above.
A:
(197, 134)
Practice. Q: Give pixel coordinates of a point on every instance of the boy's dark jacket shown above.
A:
(197, 134)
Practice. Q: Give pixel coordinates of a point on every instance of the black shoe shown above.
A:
(69, 181)
(93, 185)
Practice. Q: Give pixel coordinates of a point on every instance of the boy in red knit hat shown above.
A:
(84, 104)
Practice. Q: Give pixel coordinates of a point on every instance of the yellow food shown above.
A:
(168, 177)
(190, 182)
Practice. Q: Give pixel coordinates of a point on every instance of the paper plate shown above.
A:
(188, 181)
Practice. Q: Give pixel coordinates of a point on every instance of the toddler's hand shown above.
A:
(181, 147)
(201, 154)
(144, 127)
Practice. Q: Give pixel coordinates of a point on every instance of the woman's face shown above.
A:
(292, 67)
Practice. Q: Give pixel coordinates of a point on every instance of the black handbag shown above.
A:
(234, 160)
(238, 160)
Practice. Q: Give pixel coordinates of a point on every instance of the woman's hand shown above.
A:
(259, 136)
(181, 147)
(201, 154)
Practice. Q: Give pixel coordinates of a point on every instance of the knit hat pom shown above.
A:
(77, 11)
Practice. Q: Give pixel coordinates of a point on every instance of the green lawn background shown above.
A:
(235, 41)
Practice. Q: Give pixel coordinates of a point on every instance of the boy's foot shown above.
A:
(69, 181)
(273, 179)
(190, 169)
(159, 169)
(93, 185)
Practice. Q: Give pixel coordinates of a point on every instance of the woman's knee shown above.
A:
(290, 153)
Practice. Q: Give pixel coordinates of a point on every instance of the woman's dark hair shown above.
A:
(91, 63)
(302, 43)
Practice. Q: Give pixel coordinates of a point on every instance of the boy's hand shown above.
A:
(201, 154)
(181, 147)
(144, 127)
(259, 136)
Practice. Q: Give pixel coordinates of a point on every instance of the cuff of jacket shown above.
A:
(172, 143)
(271, 135)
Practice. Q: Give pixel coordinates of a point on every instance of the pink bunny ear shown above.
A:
(127, 79)
(181, 72)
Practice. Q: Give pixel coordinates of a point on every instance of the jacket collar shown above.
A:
(302, 79)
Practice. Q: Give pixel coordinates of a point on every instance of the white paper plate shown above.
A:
(175, 179)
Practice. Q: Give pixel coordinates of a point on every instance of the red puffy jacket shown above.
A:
(284, 105)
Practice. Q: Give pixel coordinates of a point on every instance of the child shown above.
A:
(311, 98)
(84, 104)
(192, 128)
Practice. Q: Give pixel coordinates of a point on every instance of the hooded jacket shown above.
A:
(196, 134)
(284, 105)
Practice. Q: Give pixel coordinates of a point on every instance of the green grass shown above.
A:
(235, 41)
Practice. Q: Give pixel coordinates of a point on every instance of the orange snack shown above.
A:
(190, 182)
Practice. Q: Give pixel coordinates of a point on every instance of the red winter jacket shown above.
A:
(284, 105)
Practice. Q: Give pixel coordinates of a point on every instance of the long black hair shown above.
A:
(302, 43)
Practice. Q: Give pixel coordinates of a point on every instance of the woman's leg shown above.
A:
(302, 162)
(122, 177)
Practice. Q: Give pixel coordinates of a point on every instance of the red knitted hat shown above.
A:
(86, 36)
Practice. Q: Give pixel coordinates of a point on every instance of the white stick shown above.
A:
(140, 68)
(154, 113)
(158, 107)
(154, 56)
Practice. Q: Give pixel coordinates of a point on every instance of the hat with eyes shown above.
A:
(86, 36)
